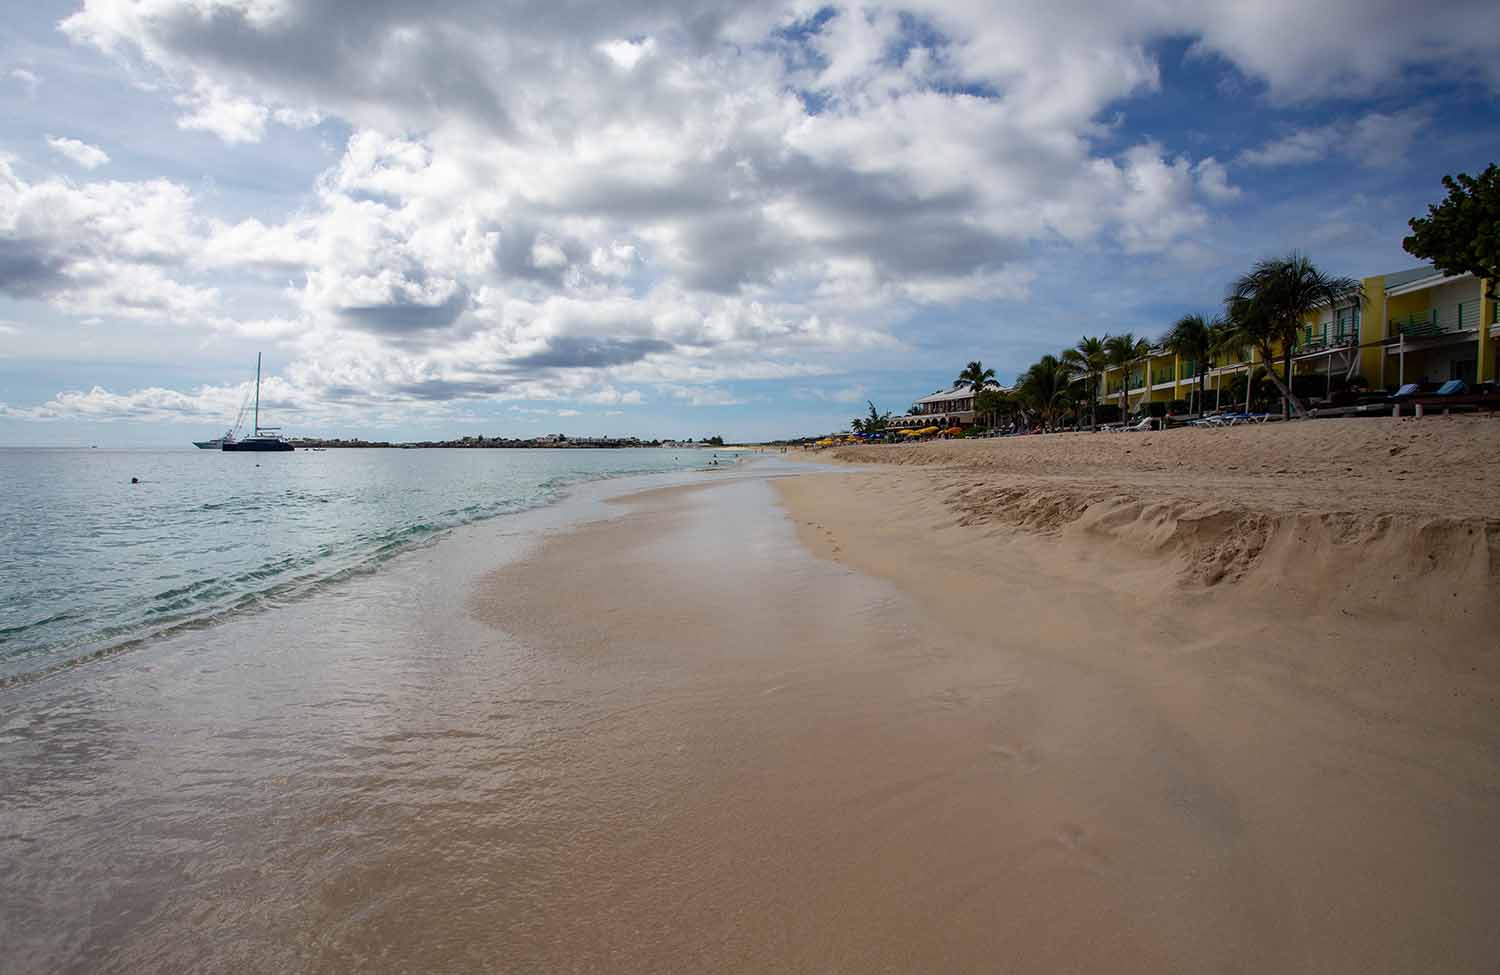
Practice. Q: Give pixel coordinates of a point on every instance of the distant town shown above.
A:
(552, 440)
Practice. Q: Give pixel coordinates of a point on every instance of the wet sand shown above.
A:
(771, 724)
(935, 747)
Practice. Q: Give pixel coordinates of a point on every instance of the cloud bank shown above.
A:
(661, 197)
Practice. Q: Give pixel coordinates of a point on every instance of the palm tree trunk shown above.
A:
(1290, 403)
(1286, 391)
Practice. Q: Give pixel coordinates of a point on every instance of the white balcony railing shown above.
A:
(1457, 317)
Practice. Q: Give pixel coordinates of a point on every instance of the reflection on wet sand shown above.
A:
(679, 740)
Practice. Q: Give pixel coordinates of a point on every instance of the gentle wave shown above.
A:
(7, 632)
(194, 603)
(220, 600)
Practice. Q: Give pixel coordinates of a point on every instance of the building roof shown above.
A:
(957, 392)
(1432, 279)
(1398, 278)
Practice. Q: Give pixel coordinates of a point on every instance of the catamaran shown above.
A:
(261, 438)
(230, 434)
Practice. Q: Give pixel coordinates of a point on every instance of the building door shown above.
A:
(1465, 369)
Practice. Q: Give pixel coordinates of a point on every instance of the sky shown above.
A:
(673, 218)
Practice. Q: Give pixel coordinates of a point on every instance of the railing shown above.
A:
(1341, 328)
(1438, 321)
(1136, 380)
(1335, 334)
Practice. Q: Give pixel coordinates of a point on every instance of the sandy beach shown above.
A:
(1174, 702)
(1189, 702)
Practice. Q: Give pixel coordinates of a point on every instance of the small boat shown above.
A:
(262, 439)
(214, 444)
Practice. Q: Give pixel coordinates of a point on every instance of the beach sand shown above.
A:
(1194, 701)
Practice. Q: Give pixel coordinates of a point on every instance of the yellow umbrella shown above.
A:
(928, 431)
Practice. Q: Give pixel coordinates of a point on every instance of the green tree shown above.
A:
(1261, 391)
(975, 376)
(1088, 360)
(1272, 300)
(872, 422)
(1047, 387)
(994, 403)
(1192, 337)
(1461, 235)
(1226, 340)
(1120, 351)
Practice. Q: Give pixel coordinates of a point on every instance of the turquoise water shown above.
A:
(91, 564)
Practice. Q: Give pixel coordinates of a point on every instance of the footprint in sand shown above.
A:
(951, 698)
(1075, 842)
(1021, 756)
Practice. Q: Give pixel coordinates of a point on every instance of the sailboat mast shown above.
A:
(257, 394)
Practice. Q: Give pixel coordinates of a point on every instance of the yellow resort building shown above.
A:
(1414, 326)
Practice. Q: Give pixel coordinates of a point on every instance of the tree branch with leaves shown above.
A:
(1461, 235)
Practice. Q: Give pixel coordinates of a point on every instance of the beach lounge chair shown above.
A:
(1453, 387)
(1406, 392)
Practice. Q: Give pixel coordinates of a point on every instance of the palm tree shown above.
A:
(1120, 351)
(1193, 337)
(1088, 360)
(873, 422)
(1273, 299)
(1227, 341)
(975, 376)
(1048, 388)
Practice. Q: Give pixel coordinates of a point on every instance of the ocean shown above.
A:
(93, 564)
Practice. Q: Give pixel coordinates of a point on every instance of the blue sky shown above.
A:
(673, 219)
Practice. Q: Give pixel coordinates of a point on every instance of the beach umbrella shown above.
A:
(954, 431)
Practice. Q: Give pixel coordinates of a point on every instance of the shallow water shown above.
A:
(328, 784)
(92, 563)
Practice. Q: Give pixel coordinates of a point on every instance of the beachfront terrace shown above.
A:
(1436, 327)
(1460, 316)
(949, 407)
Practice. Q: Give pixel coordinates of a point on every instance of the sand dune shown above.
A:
(1435, 465)
(1399, 508)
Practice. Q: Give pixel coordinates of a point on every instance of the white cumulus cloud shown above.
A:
(600, 201)
(1373, 139)
(28, 80)
(85, 155)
